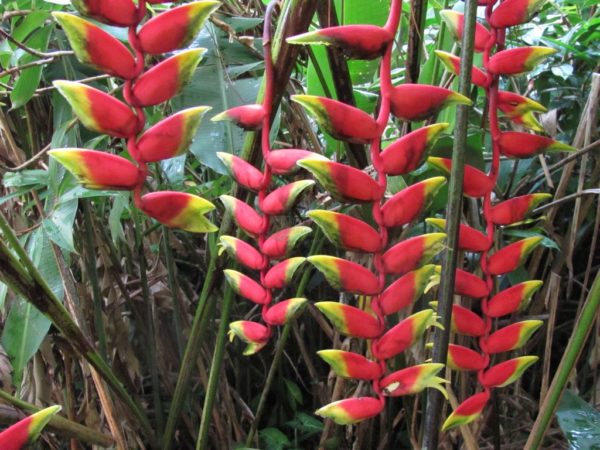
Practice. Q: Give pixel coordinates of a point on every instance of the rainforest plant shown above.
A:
(27, 430)
(404, 263)
(270, 257)
(144, 86)
(496, 259)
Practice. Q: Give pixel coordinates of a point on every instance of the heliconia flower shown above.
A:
(166, 79)
(466, 322)
(452, 64)
(243, 252)
(507, 372)
(414, 379)
(355, 41)
(341, 121)
(97, 110)
(515, 61)
(469, 239)
(171, 136)
(516, 209)
(254, 334)
(98, 170)
(284, 162)
(26, 430)
(463, 358)
(407, 289)
(281, 200)
(351, 365)
(346, 276)
(351, 321)
(343, 182)
(248, 117)
(520, 109)
(513, 299)
(346, 231)
(414, 102)
(408, 152)
(95, 47)
(514, 12)
(411, 253)
(475, 182)
(244, 215)
(284, 311)
(179, 210)
(404, 334)
(245, 174)
(406, 205)
(466, 283)
(512, 256)
(351, 410)
(281, 274)
(512, 337)
(281, 243)
(122, 13)
(175, 28)
(246, 287)
(456, 23)
(467, 411)
(515, 144)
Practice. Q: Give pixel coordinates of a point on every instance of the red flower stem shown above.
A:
(495, 42)
(267, 105)
(385, 77)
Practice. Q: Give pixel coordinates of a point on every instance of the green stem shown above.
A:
(315, 248)
(174, 290)
(149, 322)
(580, 334)
(438, 46)
(192, 349)
(35, 290)
(93, 275)
(455, 193)
(215, 370)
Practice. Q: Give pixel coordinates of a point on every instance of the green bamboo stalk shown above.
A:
(61, 425)
(455, 193)
(315, 248)
(578, 338)
(192, 349)
(215, 370)
(24, 279)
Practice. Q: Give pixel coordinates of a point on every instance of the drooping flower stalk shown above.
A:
(143, 87)
(407, 261)
(496, 62)
(272, 246)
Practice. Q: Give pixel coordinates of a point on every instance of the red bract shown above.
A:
(175, 28)
(248, 117)
(520, 109)
(409, 203)
(281, 200)
(26, 430)
(467, 322)
(279, 244)
(244, 253)
(475, 182)
(284, 311)
(412, 253)
(346, 231)
(355, 41)
(351, 321)
(512, 256)
(122, 13)
(466, 283)
(512, 299)
(179, 210)
(283, 162)
(340, 120)
(516, 209)
(524, 145)
(469, 239)
(456, 23)
(463, 358)
(452, 64)
(515, 61)
(514, 12)
(415, 102)
(244, 215)
(280, 275)
(346, 276)
(407, 289)
(351, 365)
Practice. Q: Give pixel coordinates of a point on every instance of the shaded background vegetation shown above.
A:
(134, 286)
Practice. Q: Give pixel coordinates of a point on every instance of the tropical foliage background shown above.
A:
(134, 287)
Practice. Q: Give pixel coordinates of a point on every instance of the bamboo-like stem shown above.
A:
(59, 424)
(192, 348)
(35, 290)
(450, 256)
(571, 355)
(215, 370)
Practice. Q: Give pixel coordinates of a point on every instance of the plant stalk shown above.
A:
(450, 256)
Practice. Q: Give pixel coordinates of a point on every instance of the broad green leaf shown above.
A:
(59, 224)
(579, 422)
(273, 439)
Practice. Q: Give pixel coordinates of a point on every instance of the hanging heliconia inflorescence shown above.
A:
(143, 87)
(271, 255)
(27, 430)
(406, 262)
(477, 184)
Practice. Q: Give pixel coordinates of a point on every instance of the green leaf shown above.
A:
(25, 326)
(59, 224)
(579, 422)
(273, 439)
